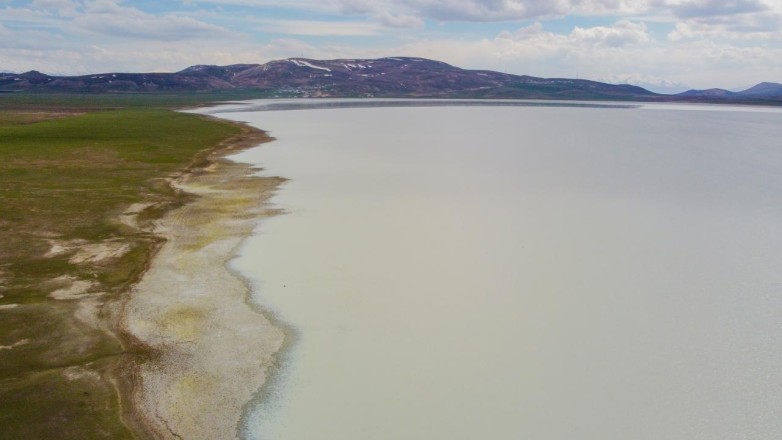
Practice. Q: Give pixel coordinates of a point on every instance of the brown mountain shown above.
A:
(384, 77)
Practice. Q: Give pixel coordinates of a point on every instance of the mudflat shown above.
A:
(212, 349)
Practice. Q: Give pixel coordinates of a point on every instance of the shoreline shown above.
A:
(207, 349)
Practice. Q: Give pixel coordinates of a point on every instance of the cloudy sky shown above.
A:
(655, 43)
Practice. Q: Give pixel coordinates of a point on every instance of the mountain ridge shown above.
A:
(763, 90)
(381, 77)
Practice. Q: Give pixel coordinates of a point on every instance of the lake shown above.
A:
(527, 272)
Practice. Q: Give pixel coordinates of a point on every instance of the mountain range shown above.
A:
(383, 77)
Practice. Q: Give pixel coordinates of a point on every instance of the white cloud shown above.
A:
(486, 10)
(712, 8)
(357, 7)
(622, 33)
(608, 7)
(512, 10)
(109, 18)
(320, 28)
(304, 5)
(31, 39)
(649, 82)
(379, 12)
(534, 51)
(399, 21)
(27, 17)
(452, 10)
(680, 32)
(751, 26)
(65, 8)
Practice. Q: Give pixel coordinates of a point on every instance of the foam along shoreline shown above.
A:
(211, 350)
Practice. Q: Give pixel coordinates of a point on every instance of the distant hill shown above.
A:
(765, 91)
(716, 93)
(383, 77)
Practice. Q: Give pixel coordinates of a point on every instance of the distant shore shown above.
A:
(210, 351)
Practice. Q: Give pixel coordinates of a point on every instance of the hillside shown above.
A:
(298, 77)
(765, 91)
(383, 77)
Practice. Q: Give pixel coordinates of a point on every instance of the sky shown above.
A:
(664, 45)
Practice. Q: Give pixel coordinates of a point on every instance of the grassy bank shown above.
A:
(81, 101)
(70, 248)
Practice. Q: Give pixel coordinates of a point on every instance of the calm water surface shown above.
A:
(522, 273)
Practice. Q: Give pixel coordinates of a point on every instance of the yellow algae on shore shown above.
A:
(212, 350)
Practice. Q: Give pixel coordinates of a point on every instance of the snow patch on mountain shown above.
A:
(302, 63)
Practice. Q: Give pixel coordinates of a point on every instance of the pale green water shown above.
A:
(524, 273)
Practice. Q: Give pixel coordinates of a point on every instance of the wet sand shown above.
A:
(210, 349)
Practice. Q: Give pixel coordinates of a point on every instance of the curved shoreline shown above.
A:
(210, 349)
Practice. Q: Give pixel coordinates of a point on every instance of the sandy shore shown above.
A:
(211, 351)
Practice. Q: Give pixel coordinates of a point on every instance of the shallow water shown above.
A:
(522, 272)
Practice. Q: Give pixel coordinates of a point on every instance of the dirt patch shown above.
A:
(77, 289)
(130, 217)
(15, 344)
(100, 253)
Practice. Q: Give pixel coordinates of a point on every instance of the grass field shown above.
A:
(81, 101)
(69, 167)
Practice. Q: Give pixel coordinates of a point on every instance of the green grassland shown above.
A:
(59, 101)
(69, 166)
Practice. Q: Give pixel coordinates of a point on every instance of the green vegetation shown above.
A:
(67, 174)
(81, 101)
(69, 178)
